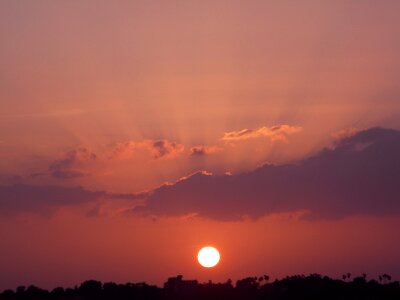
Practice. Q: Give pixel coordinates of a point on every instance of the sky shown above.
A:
(134, 133)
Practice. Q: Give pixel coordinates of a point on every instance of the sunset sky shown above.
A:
(132, 133)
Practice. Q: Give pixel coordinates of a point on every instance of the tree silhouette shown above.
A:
(313, 287)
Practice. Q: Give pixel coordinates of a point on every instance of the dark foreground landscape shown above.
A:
(296, 287)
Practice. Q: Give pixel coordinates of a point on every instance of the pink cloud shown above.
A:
(205, 150)
(159, 149)
(69, 166)
(279, 132)
(344, 133)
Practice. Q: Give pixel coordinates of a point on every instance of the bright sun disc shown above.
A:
(208, 257)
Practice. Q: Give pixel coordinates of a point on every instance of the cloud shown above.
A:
(360, 175)
(159, 149)
(204, 150)
(165, 149)
(67, 167)
(345, 133)
(279, 132)
(68, 174)
(76, 162)
(21, 198)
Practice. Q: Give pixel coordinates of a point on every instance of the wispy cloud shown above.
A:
(279, 132)
(205, 150)
(45, 200)
(59, 113)
(159, 149)
(68, 166)
(344, 133)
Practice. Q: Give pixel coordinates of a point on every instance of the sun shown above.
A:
(208, 257)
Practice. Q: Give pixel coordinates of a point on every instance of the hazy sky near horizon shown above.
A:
(103, 103)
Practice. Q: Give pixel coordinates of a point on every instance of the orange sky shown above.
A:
(125, 98)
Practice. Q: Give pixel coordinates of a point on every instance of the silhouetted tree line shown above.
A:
(299, 287)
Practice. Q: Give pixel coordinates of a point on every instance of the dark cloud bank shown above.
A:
(359, 175)
(44, 200)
